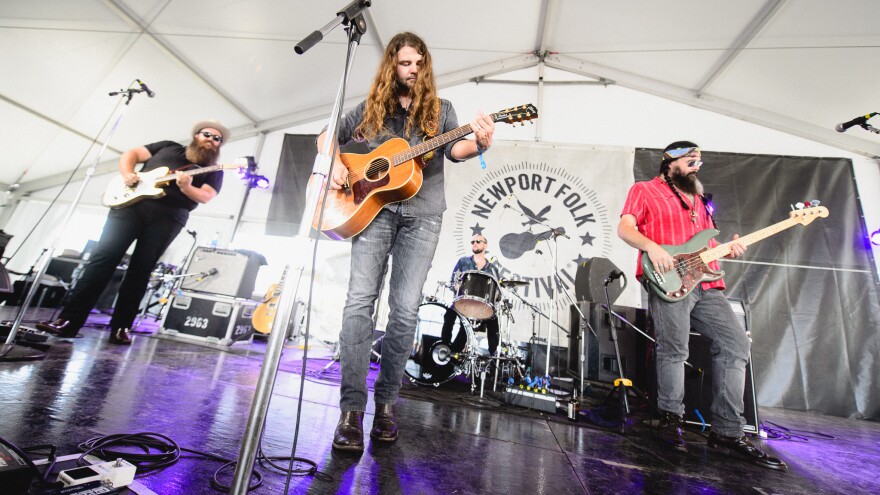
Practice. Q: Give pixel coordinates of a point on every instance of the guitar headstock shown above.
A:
(513, 115)
(804, 216)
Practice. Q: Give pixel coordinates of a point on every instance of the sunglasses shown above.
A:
(679, 152)
(215, 137)
(478, 242)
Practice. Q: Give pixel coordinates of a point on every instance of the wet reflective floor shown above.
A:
(198, 396)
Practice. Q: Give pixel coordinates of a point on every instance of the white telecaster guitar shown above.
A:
(151, 184)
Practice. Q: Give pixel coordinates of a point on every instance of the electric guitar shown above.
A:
(389, 174)
(150, 185)
(693, 257)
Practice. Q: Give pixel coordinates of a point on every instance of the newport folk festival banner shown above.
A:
(526, 190)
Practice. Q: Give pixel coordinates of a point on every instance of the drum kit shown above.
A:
(477, 298)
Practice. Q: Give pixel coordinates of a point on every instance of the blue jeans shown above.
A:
(709, 313)
(411, 242)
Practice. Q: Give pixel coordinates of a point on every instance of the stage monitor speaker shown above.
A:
(600, 363)
(235, 273)
(589, 281)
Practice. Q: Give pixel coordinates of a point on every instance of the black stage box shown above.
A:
(209, 318)
(600, 363)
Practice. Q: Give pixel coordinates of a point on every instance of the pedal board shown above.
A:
(532, 400)
(96, 487)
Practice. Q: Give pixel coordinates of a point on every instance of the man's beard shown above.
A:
(201, 155)
(688, 182)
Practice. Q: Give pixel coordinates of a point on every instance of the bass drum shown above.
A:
(435, 360)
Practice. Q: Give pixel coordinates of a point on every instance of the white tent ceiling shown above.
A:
(799, 66)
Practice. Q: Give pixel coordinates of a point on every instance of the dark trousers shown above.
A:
(153, 226)
(460, 340)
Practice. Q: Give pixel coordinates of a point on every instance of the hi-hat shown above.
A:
(512, 283)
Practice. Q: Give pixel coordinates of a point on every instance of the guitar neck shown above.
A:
(723, 250)
(431, 144)
(195, 171)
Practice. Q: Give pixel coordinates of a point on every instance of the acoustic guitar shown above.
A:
(693, 257)
(389, 174)
(150, 185)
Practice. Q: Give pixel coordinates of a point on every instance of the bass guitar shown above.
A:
(150, 185)
(389, 174)
(693, 257)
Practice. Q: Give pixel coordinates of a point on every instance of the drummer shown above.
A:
(477, 261)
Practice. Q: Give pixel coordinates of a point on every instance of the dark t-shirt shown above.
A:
(173, 155)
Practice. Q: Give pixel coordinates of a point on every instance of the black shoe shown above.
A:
(741, 447)
(349, 434)
(384, 424)
(58, 328)
(669, 432)
(119, 336)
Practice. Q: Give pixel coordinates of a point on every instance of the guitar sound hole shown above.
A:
(377, 169)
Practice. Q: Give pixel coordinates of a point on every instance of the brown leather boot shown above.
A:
(384, 424)
(119, 336)
(669, 432)
(349, 434)
(59, 328)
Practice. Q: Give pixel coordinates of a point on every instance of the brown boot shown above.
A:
(349, 434)
(384, 424)
(669, 432)
(59, 328)
(119, 336)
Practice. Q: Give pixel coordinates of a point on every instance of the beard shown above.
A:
(687, 182)
(202, 155)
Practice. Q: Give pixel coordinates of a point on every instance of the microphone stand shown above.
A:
(356, 26)
(45, 257)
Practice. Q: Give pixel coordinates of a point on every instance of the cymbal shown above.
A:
(513, 283)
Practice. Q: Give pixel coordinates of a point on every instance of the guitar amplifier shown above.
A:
(209, 318)
(223, 272)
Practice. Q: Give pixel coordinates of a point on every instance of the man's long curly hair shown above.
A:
(424, 110)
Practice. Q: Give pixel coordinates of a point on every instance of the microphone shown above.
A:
(560, 231)
(861, 120)
(614, 275)
(145, 89)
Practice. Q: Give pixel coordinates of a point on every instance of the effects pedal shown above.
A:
(116, 473)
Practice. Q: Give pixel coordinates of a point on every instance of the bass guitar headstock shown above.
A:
(806, 213)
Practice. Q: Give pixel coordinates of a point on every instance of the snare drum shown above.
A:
(476, 295)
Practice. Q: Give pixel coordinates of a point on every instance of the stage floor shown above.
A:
(451, 442)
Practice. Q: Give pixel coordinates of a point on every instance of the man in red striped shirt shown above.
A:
(670, 209)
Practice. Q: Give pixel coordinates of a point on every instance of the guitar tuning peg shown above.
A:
(814, 203)
(799, 205)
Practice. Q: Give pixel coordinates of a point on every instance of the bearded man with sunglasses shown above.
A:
(670, 209)
(153, 223)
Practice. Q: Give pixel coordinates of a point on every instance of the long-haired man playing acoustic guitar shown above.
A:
(403, 103)
(153, 223)
(669, 210)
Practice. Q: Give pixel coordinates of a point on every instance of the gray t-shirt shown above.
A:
(431, 198)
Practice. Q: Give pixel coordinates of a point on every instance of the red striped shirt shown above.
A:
(661, 218)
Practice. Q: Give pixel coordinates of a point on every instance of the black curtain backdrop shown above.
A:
(813, 291)
(288, 194)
